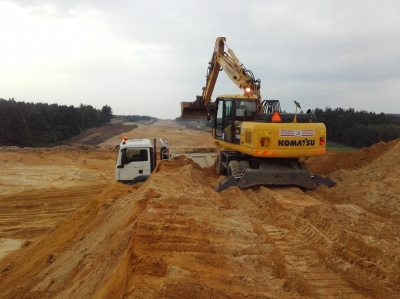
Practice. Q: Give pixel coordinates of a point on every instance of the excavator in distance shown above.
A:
(258, 144)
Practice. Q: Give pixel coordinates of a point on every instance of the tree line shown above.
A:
(358, 128)
(41, 125)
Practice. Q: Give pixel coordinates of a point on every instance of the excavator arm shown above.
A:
(227, 61)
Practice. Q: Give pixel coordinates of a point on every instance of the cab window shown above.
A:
(245, 109)
(227, 108)
(136, 155)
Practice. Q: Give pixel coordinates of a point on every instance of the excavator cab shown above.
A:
(227, 112)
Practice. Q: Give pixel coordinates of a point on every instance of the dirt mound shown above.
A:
(374, 186)
(174, 236)
(104, 228)
(350, 160)
(98, 135)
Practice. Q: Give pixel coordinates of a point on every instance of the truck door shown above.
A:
(137, 163)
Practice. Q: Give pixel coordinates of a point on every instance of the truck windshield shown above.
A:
(135, 155)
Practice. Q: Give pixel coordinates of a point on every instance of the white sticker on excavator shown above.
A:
(296, 133)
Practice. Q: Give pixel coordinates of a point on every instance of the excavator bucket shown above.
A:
(190, 110)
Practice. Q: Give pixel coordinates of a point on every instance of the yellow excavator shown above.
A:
(258, 144)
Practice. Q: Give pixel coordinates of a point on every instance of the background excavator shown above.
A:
(258, 144)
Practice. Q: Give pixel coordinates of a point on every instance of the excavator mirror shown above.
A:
(295, 113)
(123, 158)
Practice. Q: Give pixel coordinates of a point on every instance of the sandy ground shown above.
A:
(82, 235)
(177, 135)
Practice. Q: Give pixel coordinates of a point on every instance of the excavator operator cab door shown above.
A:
(227, 112)
(224, 119)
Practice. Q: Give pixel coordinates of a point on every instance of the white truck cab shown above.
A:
(137, 158)
(135, 162)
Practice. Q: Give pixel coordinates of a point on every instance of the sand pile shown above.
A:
(175, 237)
(349, 160)
(370, 179)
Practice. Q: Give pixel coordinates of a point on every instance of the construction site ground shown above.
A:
(68, 230)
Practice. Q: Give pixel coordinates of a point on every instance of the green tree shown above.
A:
(47, 123)
(106, 114)
(13, 129)
(40, 132)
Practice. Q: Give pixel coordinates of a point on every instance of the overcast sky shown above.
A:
(145, 57)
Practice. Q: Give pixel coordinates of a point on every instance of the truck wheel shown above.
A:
(219, 168)
(234, 168)
(244, 165)
(163, 155)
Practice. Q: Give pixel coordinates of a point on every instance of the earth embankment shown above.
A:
(82, 235)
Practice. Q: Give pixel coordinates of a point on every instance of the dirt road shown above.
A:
(81, 235)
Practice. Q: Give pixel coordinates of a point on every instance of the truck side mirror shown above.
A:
(123, 158)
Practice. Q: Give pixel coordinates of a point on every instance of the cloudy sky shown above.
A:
(145, 57)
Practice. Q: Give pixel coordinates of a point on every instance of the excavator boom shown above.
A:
(227, 61)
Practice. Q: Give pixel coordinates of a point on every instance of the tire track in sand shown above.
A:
(334, 249)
